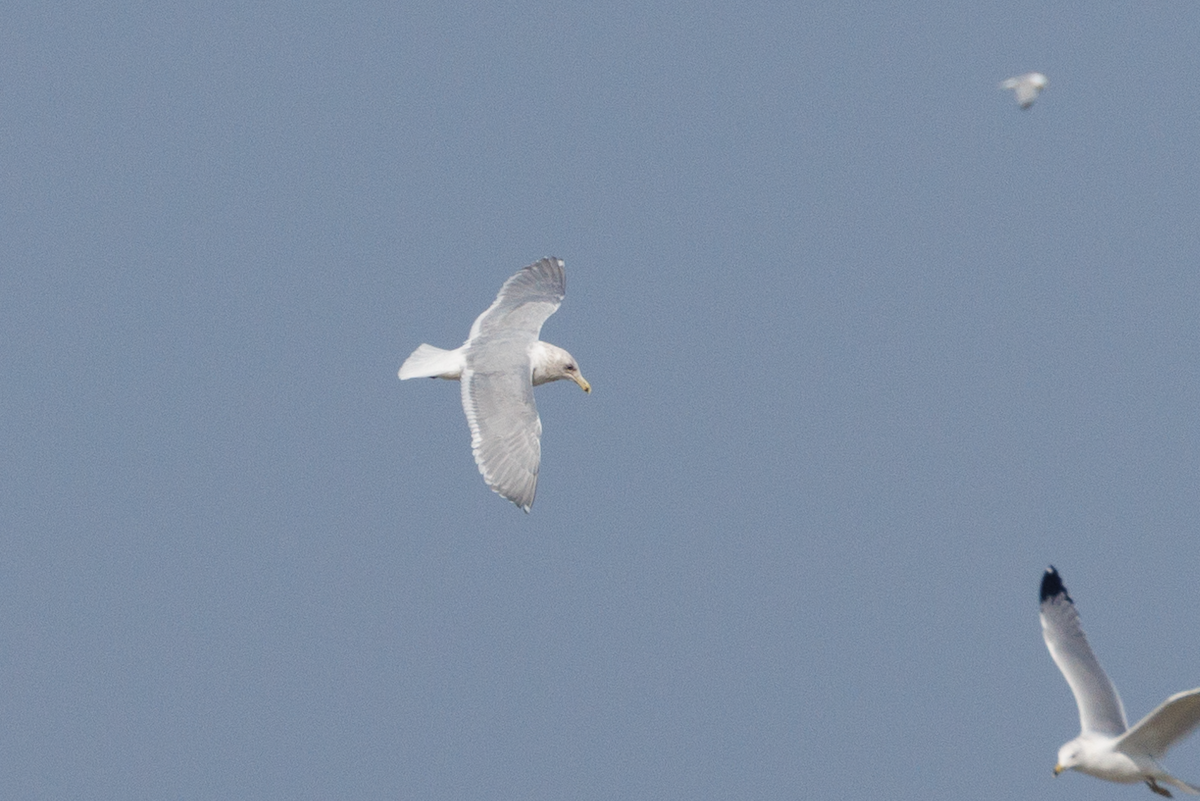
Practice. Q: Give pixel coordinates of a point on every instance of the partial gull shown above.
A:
(499, 365)
(1106, 747)
(1026, 87)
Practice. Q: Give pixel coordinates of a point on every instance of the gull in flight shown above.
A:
(1106, 747)
(1026, 87)
(499, 365)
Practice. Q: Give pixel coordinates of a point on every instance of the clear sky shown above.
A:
(870, 347)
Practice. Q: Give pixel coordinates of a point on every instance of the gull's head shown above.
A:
(552, 363)
(1068, 757)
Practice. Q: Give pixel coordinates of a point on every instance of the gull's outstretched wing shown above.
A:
(1099, 705)
(1174, 719)
(525, 302)
(506, 431)
(497, 388)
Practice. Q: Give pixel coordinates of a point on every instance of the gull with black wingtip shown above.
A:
(1106, 747)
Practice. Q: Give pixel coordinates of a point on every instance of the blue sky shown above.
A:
(870, 347)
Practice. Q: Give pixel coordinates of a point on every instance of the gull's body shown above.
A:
(1106, 747)
(499, 365)
(1027, 87)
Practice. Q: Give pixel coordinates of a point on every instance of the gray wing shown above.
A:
(497, 396)
(1099, 705)
(1174, 719)
(497, 388)
(525, 302)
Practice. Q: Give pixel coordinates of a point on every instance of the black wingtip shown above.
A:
(1052, 586)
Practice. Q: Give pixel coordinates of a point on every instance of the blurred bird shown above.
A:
(1026, 87)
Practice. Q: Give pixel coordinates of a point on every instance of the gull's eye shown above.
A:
(571, 367)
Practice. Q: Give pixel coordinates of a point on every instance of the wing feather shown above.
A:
(1100, 708)
(1173, 719)
(525, 302)
(497, 380)
(497, 397)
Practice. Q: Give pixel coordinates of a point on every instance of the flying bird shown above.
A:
(499, 365)
(1026, 87)
(1106, 747)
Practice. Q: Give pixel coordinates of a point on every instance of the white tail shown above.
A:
(430, 362)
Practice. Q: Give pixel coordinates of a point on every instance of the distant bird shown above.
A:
(1106, 748)
(1026, 87)
(499, 365)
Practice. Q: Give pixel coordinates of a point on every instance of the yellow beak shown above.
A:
(582, 382)
(1058, 769)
